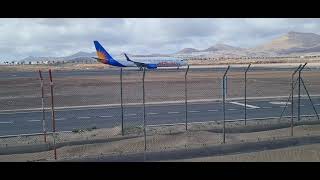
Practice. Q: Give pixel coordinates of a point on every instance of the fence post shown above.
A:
(294, 72)
(144, 110)
(53, 117)
(186, 96)
(314, 109)
(245, 95)
(288, 99)
(299, 96)
(224, 99)
(43, 111)
(121, 100)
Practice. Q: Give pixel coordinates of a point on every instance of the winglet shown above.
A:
(128, 59)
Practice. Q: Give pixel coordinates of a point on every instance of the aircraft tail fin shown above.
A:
(101, 52)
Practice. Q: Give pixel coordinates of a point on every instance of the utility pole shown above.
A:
(292, 87)
(299, 95)
(224, 99)
(186, 96)
(43, 111)
(53, 116)
(245, 95)
(121, 100)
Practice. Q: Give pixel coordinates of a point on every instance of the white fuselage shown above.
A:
(159, 61)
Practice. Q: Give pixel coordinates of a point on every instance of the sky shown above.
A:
(20, 38)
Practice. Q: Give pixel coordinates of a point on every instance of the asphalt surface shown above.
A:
(30, 121)
(115, 71)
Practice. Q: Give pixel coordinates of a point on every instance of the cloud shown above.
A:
(60, 37)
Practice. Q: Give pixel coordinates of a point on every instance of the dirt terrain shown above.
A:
(162, 139)
(24, 92)
(304, 153)
(253, 61)
(45, 67)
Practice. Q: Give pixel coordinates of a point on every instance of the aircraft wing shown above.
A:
(139, 64)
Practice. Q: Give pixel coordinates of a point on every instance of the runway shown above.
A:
(128, 70)
(68, 119)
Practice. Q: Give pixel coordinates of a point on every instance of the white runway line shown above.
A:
(131, 114)
(280, 103)
(83, 117)
(173, 112)
(152, 113)
(60, 119)
(241, 104)
(14, 111)
(35, 120)
(20, 112)
(231, 109)
(231, 120)
(105, 116)
(212, 110)
(8, 122)
(193, 111)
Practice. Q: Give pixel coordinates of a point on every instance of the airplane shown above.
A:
(149, 63)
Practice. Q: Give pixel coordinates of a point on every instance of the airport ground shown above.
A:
(67, 120)
(304, 153)
(175, 144)
(22, 90)
(90, 98)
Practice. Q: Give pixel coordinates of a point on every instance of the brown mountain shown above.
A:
(187, 51)
(292, 42)
(222, 47)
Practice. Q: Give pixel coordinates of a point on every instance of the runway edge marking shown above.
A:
(248, 105)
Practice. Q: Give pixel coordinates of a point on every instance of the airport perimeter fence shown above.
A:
(130, 111)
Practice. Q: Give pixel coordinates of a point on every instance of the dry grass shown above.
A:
(297, 153)
(166, 138)
(61, 67)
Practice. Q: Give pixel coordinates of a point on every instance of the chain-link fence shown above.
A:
(117, 112)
